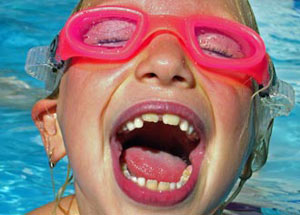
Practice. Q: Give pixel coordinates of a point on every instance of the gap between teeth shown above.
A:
(168, 119)
(158, 185)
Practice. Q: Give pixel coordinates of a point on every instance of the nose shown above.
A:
(165, 64)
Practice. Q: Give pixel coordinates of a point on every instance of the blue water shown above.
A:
(25, 181)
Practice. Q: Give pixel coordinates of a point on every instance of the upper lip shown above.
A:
(160, 107)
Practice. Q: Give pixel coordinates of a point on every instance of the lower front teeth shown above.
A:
(154, 184)
(141, 181)
(151, 184)
(162, 186)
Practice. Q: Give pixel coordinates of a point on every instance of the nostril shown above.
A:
(177, 78)
(150, 75)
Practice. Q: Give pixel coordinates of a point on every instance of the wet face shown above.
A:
(156, 134)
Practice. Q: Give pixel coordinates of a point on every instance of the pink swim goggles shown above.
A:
(114, 34)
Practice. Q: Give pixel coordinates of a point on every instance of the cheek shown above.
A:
(85, 91)
(230, 102)
(227, 149)
(231, 108)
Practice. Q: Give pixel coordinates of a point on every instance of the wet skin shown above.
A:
(92, 97)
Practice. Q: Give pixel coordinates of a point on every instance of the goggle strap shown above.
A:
(39, 65)
(281, 99)
(37, 62)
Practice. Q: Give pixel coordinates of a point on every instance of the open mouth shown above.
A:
(157, 151)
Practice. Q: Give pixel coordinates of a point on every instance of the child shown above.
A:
(160, 106)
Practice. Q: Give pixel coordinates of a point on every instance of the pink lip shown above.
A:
(144, 195)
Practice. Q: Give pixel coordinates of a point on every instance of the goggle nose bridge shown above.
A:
(166, 24)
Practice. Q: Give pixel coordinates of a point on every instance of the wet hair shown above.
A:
(260, 146)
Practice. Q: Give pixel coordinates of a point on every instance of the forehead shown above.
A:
(221, 8)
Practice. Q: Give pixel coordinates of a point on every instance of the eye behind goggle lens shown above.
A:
(217, 44)
(110, 32)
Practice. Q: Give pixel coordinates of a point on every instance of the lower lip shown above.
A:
(156, 198)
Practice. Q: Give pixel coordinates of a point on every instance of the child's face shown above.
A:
(161, 79)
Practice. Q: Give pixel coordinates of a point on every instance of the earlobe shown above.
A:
(45, 118)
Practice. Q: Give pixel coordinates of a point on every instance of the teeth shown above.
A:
(124, 166)
(184, 179)
(170, 119)
(172, 186)
(188, 171)
(151, 184)
(178, 185)
(154, 184)
(150, 117)
(184, 125)
(124, 128)
(125, 171)
(127, 174)
(134, 179)
(130, 126)
(138, 123)
(141, 181)
(163, 186)
(190, 131)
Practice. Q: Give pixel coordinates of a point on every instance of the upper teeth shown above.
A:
(150, 117)
(168, 119)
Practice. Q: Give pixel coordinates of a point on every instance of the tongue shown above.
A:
(153, 164)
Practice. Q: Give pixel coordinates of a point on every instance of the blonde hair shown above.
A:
(246, 13)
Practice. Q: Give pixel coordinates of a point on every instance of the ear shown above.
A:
(45, 118)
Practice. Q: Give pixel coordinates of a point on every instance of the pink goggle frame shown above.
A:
(113, 33)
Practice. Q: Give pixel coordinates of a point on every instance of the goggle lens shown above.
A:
(110, 33)
(216, 44)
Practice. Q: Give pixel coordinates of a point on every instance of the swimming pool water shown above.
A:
(24, 175)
